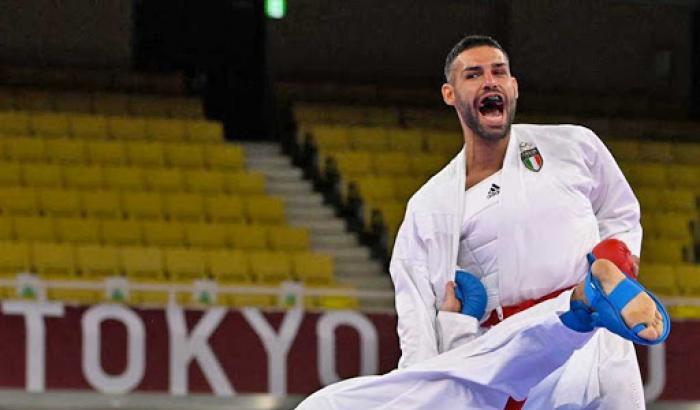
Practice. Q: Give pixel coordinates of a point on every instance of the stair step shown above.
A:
(306, 213)
(314, 199)
(355, 268)
(280, 174)
(357, 253)
(292, 187)
(321, 242)
(269, 162)
(365, 282)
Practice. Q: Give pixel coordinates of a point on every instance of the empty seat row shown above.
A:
(666, 251)
(330, 139)
(141, 205)
(671, 280)
(663, 176)
(64, 261)
(101, 103)
(154, 233)
(655, 151)
(347, 115)
(152, 154)
(679, 226)
(352, 165)
(113, 127)
(667, 200)
(14, 174)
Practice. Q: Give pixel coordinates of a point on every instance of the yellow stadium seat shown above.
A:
(338, 302)
(227, 266)
(34, 228)
(89, 126)
(111, 104)
(98, 262)
(53, 261)
(649, 199)
(624, 150)
(78, 230)
(50, 125)
(203, 235)
(121, 232)
(102, 204)
(313, 269)
(391, 164)
(270, 268)
(405, 187)
(659, 278)
(187, 107)
(10, 174)
(164, 180)
(678, 200)
(59, 202)
(667, 226)
(106, 152)
(14, 122)
(205, 131)
(149, 154)
(445, 143)
(686, 153)
(247, 237)
(372, 139)
(184, 207)
(66, 151)
(185, 264)
(171, 130)
(688, 279)
(331, 139)
(353, 164)
(126, 128)
(6, 229)
(14, 258)
(160, 233)
(142, 205)
(203, 181)
(245, 183)
(7, 99)
(226, 209)
(662, 251)
(224, 157)
(42, 175)
(287, 238)
(25, 149)
(264, 210)
(142, 263)
(83, 177)
(651, 151)
(124, 178)
(376, 189)
(18, 201)
(684, 177)
(426, 165)
(646, 175)
(409, 141)
(184, 155)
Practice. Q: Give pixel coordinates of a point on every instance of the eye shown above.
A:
(470, 76)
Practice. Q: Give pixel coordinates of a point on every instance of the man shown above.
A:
(518, 207)
(512, 357)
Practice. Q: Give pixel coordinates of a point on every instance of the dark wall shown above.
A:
(65, 33)
(590, 46)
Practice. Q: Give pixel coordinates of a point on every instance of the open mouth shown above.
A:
(491, 106)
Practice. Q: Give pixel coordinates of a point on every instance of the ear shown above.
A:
(515, 86)
(448, 94)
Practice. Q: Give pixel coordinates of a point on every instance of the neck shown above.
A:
(484, 157)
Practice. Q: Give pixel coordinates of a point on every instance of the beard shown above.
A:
(471, 117)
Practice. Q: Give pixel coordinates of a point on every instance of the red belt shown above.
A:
(508, 311)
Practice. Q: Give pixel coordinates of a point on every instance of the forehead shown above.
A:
(480, 56)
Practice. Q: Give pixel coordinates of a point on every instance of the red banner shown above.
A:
(119, 349)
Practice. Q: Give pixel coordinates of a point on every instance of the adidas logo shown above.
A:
(493, 191)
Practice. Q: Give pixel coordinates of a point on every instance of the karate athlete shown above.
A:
(512, 357)
(518, 207)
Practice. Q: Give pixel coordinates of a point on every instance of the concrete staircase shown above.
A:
(304, 208)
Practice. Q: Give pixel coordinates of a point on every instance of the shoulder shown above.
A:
(562, 139)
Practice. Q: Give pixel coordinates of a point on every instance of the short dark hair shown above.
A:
(471, 41)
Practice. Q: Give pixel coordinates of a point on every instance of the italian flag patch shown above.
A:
(532, 159)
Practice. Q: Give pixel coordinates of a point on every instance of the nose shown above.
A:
(489, 79)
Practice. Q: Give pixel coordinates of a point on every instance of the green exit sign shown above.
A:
(275, 9)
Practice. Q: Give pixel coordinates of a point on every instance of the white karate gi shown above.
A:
(506, 361)
(546, 222)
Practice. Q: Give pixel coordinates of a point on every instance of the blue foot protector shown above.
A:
(471, 292)
(607, 308)
(578, 318)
